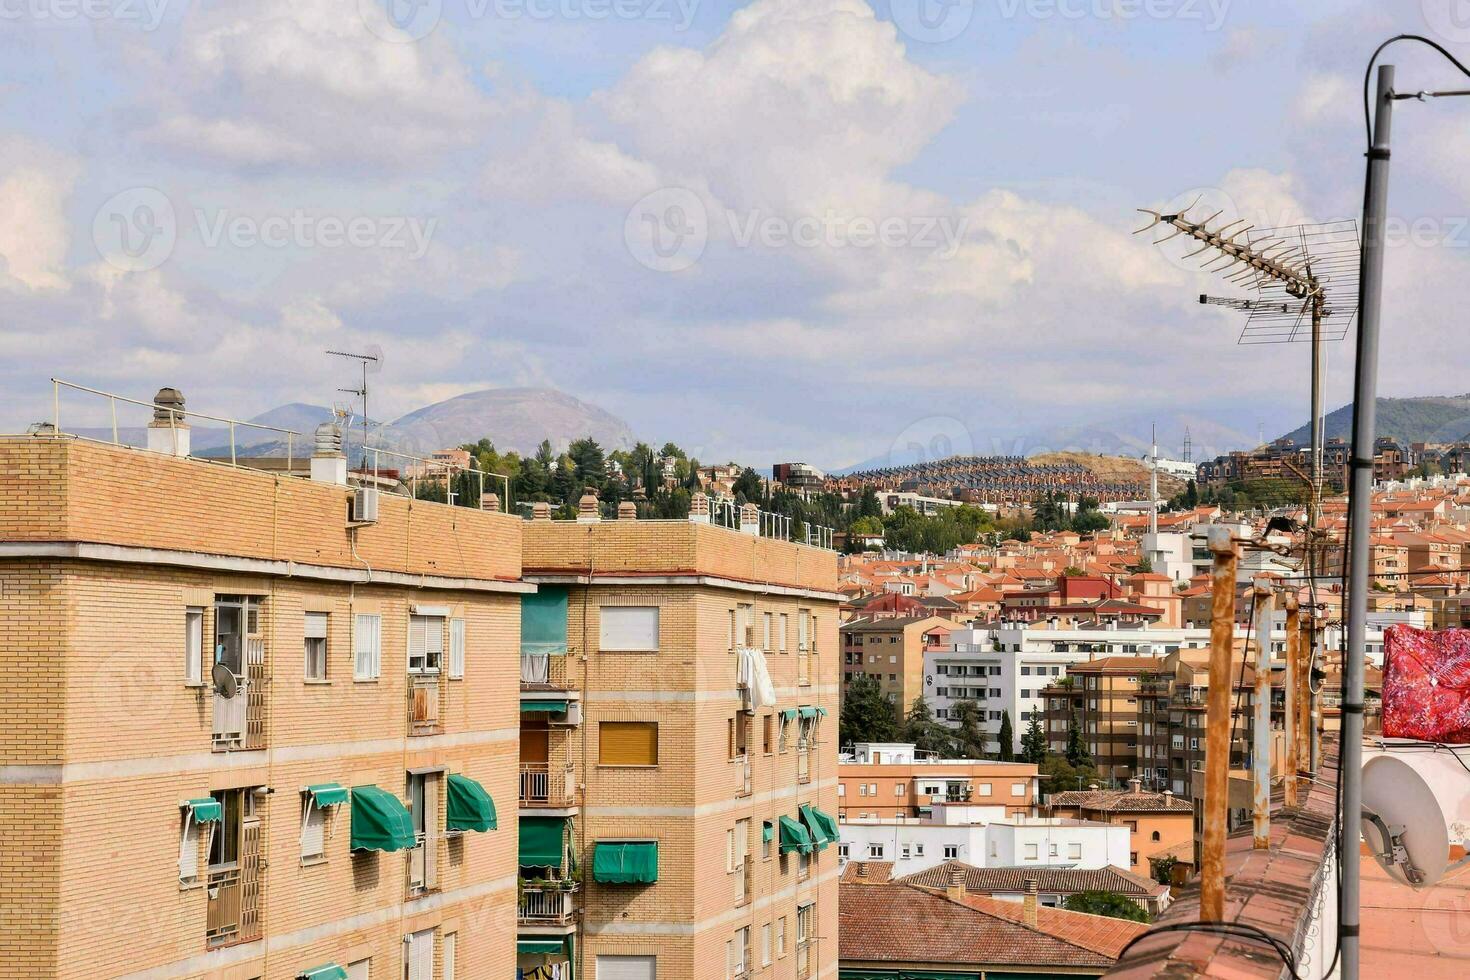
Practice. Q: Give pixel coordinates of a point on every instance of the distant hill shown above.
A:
(1433, 418)
(512, 418)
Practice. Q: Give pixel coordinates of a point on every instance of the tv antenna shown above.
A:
(364, 360)
(1296, 272)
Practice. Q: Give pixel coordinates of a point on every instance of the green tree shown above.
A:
(1077, 754)
(969, 736)
(1033, 743)
(1007, 738)
(1161, 869)
(1088, 519)
(1060, 776)
(748, 487)
(1109, 904)
(927, 733)
(868, 504)
(866, 715)
(590, 463)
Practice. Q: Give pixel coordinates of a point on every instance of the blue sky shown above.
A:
(812, 229)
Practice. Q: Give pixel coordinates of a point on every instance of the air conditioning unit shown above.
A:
(365, 505)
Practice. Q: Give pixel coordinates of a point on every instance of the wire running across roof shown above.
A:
(1327, 252)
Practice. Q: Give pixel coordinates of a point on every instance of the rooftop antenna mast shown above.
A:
(1153, 481)
(364, 360)
(1295, 271)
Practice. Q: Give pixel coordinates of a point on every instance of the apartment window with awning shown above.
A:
(327, 971)
(625, 862)
(794, 836)
(544, 621)
(470, 806)
(317, 803)
(380, 821)
(198, 814)
(540, 844)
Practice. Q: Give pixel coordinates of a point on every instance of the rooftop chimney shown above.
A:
(862, 869)
(627, 511)
(1028, 903)
(1135, 785)
(955, 887)
(1094, 787)
(490, 502)
(328, 464)
(587, 510)
(540, 511)
(699, 508)
(750, 519)
(168, 432)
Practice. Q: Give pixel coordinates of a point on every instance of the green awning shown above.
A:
(768, 832)
(328, 794)
(814, 827)
(539, 947)
(794, 837)
(822, 712)
(807, 711)
(828, 822)
(533, 705)
(544, 620)
(470, 807)
(206, 809)
(380, 821)
(541, 840)
(789, 714)
(327, 971)
(625, 862)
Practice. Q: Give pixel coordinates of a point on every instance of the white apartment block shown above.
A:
(1043, 842)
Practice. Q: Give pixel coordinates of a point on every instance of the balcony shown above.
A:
(543, 785)
(741, 765)
(547, 671)
(239, 720)
(423, 704)
(549, 906)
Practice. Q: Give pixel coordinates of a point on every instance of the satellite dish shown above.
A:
(225, 683)
(1415, 805)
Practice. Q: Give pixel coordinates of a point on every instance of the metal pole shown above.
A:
(1293, 686)
(1261, 747)
(1314, 506)
(1305, 700)
(1365, 391)
(1217, 720)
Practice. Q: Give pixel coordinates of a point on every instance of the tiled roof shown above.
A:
(868, 872)
(1098, 933)
(1062, 880)
(907, 924)
(1121, 801)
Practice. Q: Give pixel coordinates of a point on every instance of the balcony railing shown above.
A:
(547, 670)
(239, 721)
(423, 704)
(545, 785)
(546, 907)
(805, 954)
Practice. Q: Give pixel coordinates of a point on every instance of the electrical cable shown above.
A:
(1232, 930)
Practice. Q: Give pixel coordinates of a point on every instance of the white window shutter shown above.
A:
(313, 829)
(631, 628)
(367, 644)
(451, 943)
(189, 849)
(315, 626)
(456, 648)
(193, 644)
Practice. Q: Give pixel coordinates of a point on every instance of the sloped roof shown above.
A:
(1122, 801)
(906, 924)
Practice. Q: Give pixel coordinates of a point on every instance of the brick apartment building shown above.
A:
(251, 737)
(892, 651)
(887, 780)
(1103, 693)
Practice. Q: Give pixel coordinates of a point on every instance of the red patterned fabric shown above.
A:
(1426, 684)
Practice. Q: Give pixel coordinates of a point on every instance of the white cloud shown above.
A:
(35, 182)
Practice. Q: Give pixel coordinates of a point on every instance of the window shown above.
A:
(1074, 851)
(736, 950)
(768, 835)
(615, 967)
(872, 789)
(1154, 836)
(313, 830)
(801, 627)
(359, 970)
(984, 789)
(448, 952)
(918, 850)
(632, 629)
(189, 847)
(627, 743)
(766, 631)
(1018, 789)
(875, 852)
(781, 735)
(423, 807)
(425, 644)
(905, 851)
(843, 851)
(766, 938)
(193, 644)
(1132, 857)
(951, 852)
(766, 742)
(781, 635)
(367, 646)
(841, 789)
(456, 650)
(1051, 850)
(1033, 852)
(315, 633)
(418, 955)
(898, 789)
(781, 936)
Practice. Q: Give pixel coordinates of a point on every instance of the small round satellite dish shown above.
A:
(225, 684)
(1423, 796)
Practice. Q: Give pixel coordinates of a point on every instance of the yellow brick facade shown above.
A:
(104, 733)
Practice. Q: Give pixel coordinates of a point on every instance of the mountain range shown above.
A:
(511, 418)
(1433, 418)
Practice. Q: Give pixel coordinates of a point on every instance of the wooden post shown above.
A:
(1261, 747)
(1293, 687)
(1217, 721)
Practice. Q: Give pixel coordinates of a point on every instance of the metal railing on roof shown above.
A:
(175, 414)
(428, 470)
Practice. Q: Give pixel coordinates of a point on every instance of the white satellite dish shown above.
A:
(1416, 803)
